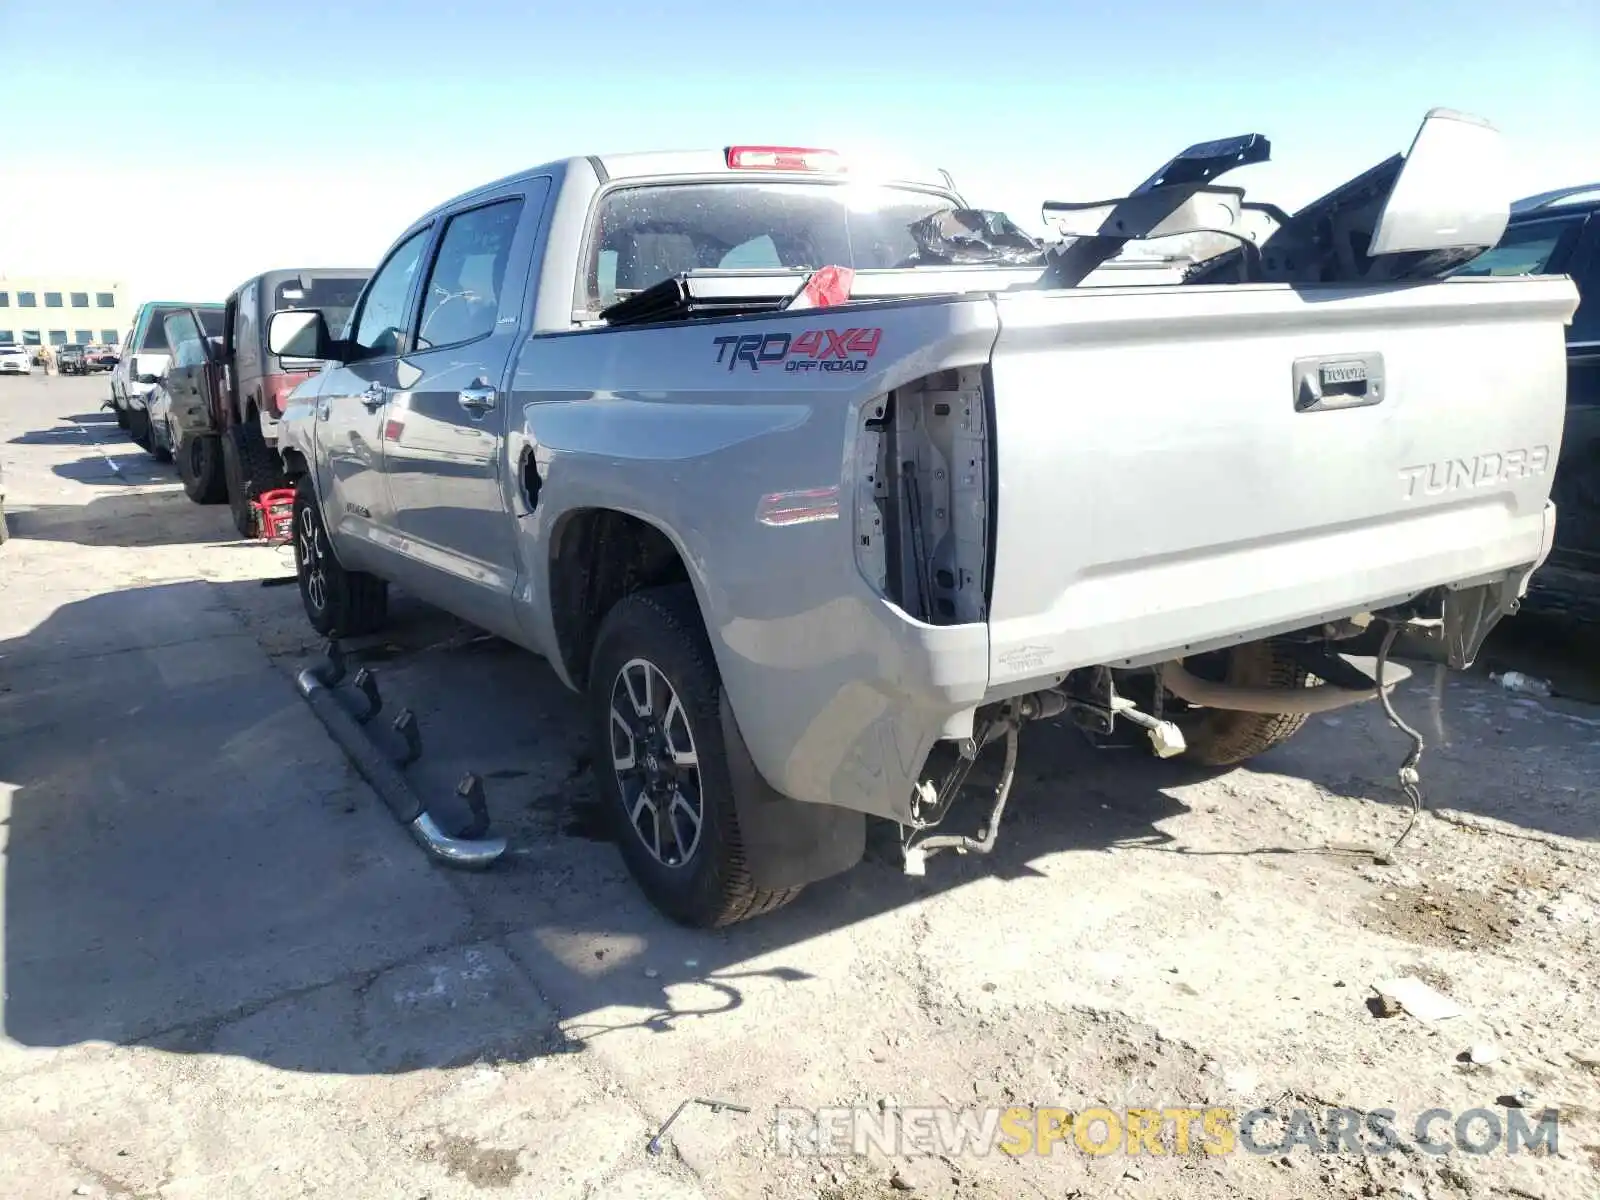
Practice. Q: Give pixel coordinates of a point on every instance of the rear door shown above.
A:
(353, 403)
(444, 436)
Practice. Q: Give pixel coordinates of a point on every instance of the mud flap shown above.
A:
(1470, 615)
(787, 843)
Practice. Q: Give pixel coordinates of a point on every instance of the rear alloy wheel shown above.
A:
(338, 603)
(657, 767)
(249, 468)
(660, 765)
(200, 467)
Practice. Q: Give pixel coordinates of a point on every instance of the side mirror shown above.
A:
(146, 377)
(300, 333)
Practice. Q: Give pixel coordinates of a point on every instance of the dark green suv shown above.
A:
(1558, 233)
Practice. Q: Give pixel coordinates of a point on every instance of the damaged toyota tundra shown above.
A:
(820, 484)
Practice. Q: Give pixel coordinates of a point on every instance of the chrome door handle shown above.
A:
(375, 397)
(477, 399)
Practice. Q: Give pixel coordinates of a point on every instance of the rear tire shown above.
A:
(200, 468)
(338, 603)
(662, 774)
(250, 468)
(1220, 737)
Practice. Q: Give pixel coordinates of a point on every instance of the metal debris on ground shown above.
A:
(1522, 685)
(656, 1145)
(1417, 998)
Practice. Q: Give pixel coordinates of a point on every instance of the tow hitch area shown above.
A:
(1092, 703)
(324, 687)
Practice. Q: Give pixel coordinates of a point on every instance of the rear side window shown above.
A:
(461, 301)
(211, 320)
(643, 235)
(1529, 248)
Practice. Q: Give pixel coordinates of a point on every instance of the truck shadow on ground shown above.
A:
(127, 520)
(77, 430)
(191, 865)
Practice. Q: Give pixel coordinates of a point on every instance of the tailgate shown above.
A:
(1162, 483)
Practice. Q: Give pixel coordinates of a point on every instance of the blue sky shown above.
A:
(184, 147)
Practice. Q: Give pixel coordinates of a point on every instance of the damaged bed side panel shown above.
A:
(742, 441)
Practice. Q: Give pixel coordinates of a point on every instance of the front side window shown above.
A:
(646, 234)
(52, 299)
(461, 301)
(382, 323)
(27, 300)
(80, 299)
(1530, 248)
(104, 300)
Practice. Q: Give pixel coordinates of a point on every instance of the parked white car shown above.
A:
(15, 359)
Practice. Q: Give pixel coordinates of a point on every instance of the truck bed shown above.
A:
(1100, 476)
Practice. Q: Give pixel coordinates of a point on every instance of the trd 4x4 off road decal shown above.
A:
(813, 350)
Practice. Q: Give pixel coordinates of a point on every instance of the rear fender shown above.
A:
(748, 467)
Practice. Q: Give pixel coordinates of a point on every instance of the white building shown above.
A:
(48, 310)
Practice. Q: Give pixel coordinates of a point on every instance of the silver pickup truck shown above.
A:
(818, 483)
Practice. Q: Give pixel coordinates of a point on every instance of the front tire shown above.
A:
(249, 468)
(1219, 737)
(200, 468)
(338, 603)
(139, 427)
(660, 764)
(121, 415)
(161, 447)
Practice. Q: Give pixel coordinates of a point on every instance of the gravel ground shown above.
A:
(227, 973)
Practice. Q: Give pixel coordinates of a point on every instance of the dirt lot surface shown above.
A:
(228, 973)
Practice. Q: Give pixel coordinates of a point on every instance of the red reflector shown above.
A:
(824, 289)
(783, 158)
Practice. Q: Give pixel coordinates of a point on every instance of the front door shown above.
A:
(444, 434)
(190, 378)
(352, 405)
